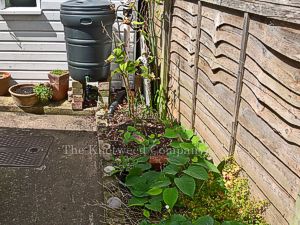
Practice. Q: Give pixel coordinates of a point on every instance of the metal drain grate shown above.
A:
(24, 151)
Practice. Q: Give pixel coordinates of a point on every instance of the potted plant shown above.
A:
(23, 95)
(59, 81)
(4, 82)
(43, 92)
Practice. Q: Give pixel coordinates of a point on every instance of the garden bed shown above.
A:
(187, 189)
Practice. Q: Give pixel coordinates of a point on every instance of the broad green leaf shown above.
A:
(171, 169)
(187, 145)
(170, 133)
(144, 166)
(204, 220)
(161, 182)
(189, 133)
(110, 58)
(202, 147)
(195, 140)
(170, 196)
(154, 205)
(197, 172)
(186, 184)
(179, 160)
(137, 201)
(175, 144)
(146, 213)
(211, 166)
(154, 191)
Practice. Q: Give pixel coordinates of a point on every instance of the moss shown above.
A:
(58, 72)
(226, 197)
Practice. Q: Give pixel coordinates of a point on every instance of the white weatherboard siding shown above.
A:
(32, 45)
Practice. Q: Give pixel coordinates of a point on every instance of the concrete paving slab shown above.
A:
(64, 191)
(49, 122)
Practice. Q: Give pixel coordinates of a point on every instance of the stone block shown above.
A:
(78, 98)
(76, 84)
(103, 86)
(77, 91)
(77, 106)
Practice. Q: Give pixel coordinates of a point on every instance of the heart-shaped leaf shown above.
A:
(179, 160)
(170, 196)
(154, 205)
(170, 133)
(186, 184)
(197, 172)
(171, 169)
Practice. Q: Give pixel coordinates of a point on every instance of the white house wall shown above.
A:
(32, 45)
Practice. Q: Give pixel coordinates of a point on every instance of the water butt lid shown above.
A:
(86, 5)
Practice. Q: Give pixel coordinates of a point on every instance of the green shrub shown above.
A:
(43, 92)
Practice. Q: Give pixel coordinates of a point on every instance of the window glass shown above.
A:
(20, 3)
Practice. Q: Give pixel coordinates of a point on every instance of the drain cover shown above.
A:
(24, 151)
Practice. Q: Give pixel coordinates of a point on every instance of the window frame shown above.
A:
(20, 10)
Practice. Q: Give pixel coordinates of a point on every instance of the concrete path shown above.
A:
(65, 190)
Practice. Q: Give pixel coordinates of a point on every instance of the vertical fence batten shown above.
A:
(239, 83)
(165, 61)
(196, 59)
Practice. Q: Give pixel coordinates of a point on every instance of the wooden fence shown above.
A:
(233, 69)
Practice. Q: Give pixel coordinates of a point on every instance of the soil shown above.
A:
(24, 90)
(118, 125)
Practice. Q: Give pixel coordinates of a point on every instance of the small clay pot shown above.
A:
(158, 161)
(60, 85)
(23, 100)
(4, 82)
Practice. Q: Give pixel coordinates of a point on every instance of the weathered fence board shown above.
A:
(268, 121)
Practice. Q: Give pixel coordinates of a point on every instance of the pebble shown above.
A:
(114, 203)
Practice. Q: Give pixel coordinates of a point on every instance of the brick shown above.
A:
(77, 106)
(77, 91)
(77, 84)
(78, 98)
(103, 86)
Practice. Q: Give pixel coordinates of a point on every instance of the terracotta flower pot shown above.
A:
(4, 82)
(158, 161)
(60, 85)
(23, 95)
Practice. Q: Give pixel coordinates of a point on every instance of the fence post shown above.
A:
(165, 58)
(196, 60)
(239, 83)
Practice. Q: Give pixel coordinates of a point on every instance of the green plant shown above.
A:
(152, 189)
(227, 198)
(43, 92)
(178, 219)
(58, 72)
(146, 143)
(126, 66)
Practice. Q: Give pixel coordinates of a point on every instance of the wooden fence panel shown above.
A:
(268, 128)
